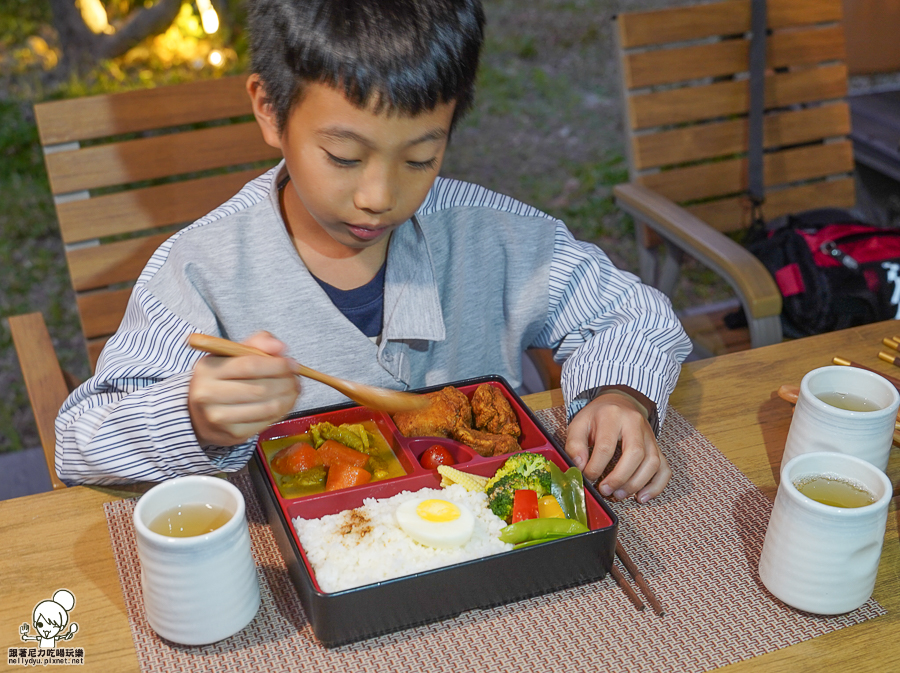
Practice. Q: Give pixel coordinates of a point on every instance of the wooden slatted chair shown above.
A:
(685, 83)
(127, 170)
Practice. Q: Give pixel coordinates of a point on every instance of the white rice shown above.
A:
(366, 545)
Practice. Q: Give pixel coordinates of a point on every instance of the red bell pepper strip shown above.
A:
(525, 505)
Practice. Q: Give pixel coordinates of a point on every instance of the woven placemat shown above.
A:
(698, 546)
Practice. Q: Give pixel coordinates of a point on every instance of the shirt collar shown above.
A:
(412, 302)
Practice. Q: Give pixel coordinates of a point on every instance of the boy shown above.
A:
(365, 265)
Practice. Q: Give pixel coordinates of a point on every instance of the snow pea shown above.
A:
(540, 529)
(531, 543)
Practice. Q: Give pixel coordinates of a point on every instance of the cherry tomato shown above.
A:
(436, 455)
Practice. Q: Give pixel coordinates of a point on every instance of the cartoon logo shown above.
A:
(49, 619)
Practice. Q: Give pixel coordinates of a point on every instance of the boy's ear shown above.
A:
(263, 111)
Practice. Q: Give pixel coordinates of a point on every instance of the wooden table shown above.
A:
(60, 540)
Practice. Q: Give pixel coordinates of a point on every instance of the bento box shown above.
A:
(350, 615)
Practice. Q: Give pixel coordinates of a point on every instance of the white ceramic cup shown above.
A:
(199, 589)
(819, 558)
(818, 426)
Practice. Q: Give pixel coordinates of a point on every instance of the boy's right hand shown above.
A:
(232, 399)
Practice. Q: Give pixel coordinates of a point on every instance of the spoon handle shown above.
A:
(366, 395)
(222, 347)
(232, 349)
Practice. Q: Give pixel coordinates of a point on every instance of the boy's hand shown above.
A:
(602, 423)
(232, 399)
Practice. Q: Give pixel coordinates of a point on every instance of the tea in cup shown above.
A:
(198, 578)
(847, 410)
(825, 534)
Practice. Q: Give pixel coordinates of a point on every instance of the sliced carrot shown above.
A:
(342, 475)
(295, 458)
(332, 452)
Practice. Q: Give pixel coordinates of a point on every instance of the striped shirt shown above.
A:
(473, 279)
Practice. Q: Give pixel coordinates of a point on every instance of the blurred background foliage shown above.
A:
(33, 274)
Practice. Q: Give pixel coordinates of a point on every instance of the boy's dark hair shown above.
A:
(402, 55)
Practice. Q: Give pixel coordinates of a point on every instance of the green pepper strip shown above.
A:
(576, 486)
(539, 529)
(353, 435)
(568, 489)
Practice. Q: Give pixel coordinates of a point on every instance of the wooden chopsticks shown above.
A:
(626, 587)
(638, 577)
(894, 344)
(849, 363)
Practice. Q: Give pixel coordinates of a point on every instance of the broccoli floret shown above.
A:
(500, 498)
(525, 465)
(522, 471)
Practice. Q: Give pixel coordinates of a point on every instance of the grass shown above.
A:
(546, 129)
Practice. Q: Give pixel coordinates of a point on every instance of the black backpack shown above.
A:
(833, 270)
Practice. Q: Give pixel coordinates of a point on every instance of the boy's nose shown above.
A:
(376, 192)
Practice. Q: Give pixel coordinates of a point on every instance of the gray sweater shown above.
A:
(472, 280)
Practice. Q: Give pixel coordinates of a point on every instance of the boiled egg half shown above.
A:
(436, 523)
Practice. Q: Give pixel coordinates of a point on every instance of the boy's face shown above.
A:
(355, 175)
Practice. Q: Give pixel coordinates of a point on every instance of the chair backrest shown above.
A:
(871, 29)
(127, 169)
(685, 82)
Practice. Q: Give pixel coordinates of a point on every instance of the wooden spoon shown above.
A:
(373, 397)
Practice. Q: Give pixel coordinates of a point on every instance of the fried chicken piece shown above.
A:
(493, 412)
(484, 443)
(461, 404)
(449, 409)
(450, 415)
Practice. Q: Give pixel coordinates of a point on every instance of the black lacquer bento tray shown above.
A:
(383, 607)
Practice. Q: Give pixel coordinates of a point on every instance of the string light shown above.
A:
(94, 15)
(215, 58)
(208, 17)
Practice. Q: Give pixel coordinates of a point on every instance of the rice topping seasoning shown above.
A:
(365, 545)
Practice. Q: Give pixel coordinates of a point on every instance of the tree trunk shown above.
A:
(82, 48)
(141, 24)
(76, 39)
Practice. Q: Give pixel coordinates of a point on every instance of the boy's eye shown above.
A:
(338, 161)
(38, 624)
(422, 165)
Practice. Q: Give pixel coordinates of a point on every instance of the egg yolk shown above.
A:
(437, 511)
